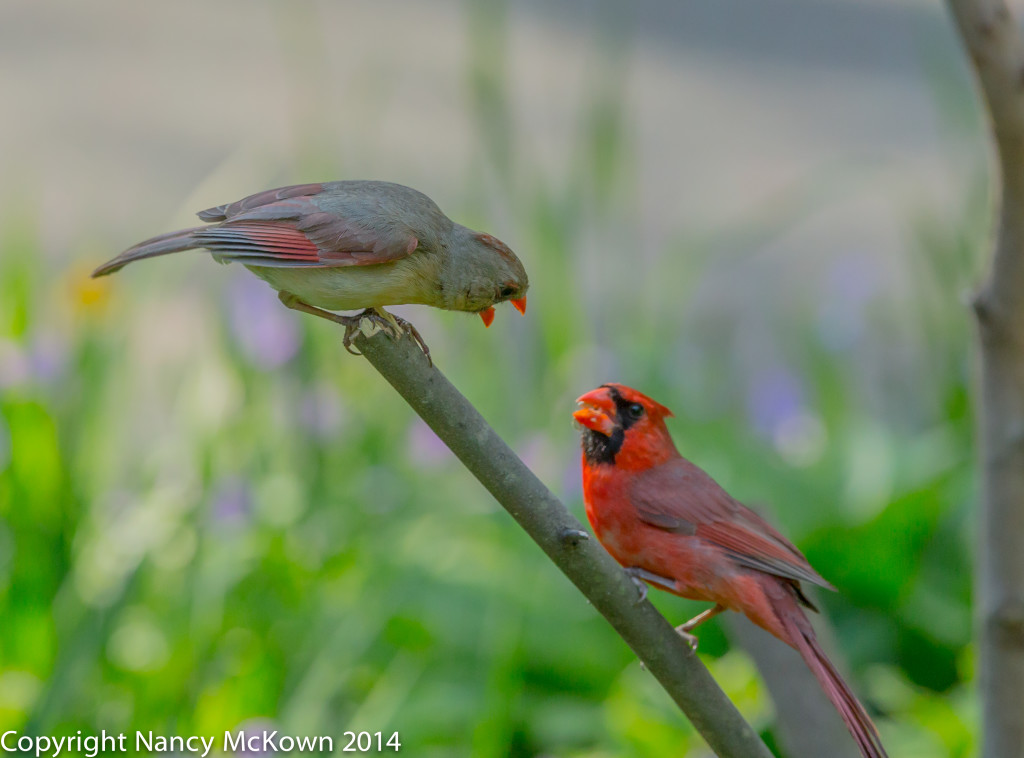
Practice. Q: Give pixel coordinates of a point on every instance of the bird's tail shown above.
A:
(166, 243)
(838, 691)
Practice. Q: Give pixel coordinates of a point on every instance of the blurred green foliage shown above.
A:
(211, 515)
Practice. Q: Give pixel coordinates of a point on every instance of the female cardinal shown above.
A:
(351, 245)
(672, 525)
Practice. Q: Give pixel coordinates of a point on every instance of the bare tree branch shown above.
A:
(996, 51)
(562, 537)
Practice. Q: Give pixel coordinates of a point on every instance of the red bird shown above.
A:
(670, 524)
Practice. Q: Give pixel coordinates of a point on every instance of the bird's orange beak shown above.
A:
(520, 304)
(487, 316)
(597, 411)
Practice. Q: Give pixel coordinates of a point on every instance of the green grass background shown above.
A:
(211, 515)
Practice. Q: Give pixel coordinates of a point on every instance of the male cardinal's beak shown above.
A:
(487, 315)
(597, 411)
(520, 304)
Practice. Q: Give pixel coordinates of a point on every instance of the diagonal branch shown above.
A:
(996, 51)
(561, 536)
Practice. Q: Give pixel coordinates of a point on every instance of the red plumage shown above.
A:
(673, 525)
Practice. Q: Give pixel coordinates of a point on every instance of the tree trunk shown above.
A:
(994, 46)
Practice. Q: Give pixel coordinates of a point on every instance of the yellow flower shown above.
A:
(88, 295)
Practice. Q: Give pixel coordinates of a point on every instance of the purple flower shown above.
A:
(425, 449)
(535, 451)
(47, 356)
(15, 366)
(572, 481)
(854, 278)
(267, 332)
(41, 360)
(774, 396)
(321, 411)
(232, 502)
(254, 731)
(541, 457)
(851, 283)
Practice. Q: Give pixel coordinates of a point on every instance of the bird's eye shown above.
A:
(507, 291)
(635, 410)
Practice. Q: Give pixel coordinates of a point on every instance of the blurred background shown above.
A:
(764, 213)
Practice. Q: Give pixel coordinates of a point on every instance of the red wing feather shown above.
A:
(281, 228)
(761, 551)
(257, 243)
(286, 227)
(678, 496)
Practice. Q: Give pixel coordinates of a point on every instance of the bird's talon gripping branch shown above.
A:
(402, 323)
(684, 629)
(573, 536)
(641, 577)
(394, 326)
(367, 323)
(369, 327)
(351, 323)
(371, 321)
(636, 575)
(691, 639)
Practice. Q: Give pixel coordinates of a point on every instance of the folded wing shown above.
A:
(281, 228)
(679, 497)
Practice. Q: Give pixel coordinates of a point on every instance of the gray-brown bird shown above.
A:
(353, 245)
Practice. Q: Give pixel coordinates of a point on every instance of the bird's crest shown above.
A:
(654, 408)
(498, 246)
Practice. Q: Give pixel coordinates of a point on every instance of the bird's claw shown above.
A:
(700, 618)
(635, 575)
(690, 639)
(371, 320)
(367, 323)
(389, 323)
(402, 323)
(640, 576)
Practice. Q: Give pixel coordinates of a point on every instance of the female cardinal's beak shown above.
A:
(597, 411)
(520, 304)
(487, 315)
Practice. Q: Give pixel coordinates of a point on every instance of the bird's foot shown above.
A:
(641, 577)
(368, 323)
(351, 323)
(389, 323)
(685, 629)
(401, 325)
(690, 639)
(641, 586)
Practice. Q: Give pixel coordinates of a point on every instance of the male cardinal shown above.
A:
(672, 525)
(352, 245)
